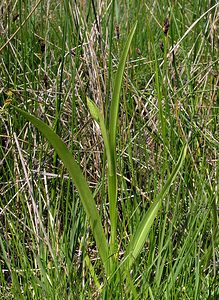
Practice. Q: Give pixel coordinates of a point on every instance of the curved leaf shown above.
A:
(79, 181)
(138, 240)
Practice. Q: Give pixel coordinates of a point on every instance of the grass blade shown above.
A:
(79, 181)
(114, 107)
(137, 242)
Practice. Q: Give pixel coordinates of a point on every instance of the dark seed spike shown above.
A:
(162, 46)
(117, 32)
(166, 26)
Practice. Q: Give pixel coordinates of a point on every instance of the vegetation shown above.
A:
(109, 149)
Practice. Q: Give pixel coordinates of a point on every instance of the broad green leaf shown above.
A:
(138, 240)
(80, 183)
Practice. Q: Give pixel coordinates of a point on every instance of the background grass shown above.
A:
(63, 53)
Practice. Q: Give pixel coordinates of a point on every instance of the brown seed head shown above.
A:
(117, 32)
(138, 51)
(162, 46)
(42, 46)
(15, 17)
(46, 81)
(166, 26)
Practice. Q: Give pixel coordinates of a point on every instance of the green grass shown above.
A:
(62, 55)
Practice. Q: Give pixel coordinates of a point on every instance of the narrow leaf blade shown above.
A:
(114, 107)
(138, 240)
(113, 118)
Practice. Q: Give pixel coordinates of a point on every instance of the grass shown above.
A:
(62, 55)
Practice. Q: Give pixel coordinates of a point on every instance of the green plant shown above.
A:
(108, 257)
(53, 56)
